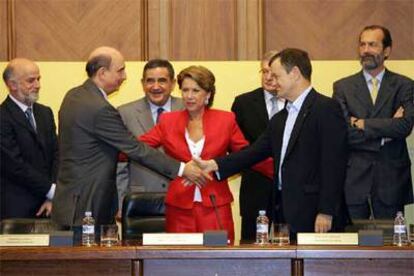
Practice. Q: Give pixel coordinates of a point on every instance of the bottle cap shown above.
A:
(88, 213)
(262, 212)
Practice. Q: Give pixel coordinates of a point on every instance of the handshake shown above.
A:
(198, 171)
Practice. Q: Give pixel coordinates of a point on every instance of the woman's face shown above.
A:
(194, 97)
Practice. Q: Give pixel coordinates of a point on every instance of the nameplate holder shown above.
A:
(327, 238)
(24, 240)
(172, 239)
(215, 238)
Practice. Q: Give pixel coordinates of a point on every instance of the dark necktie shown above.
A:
(160, 110)
(29, 116)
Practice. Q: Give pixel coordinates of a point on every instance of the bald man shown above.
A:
(29, 150)
(91, 133)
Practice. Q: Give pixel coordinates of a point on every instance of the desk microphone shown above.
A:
(371, 211)
(213, 202)
(215, 237)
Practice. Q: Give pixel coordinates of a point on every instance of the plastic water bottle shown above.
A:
(88, 229)
(262, 228)
(400, 230)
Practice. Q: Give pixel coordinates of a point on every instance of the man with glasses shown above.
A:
(253, 111)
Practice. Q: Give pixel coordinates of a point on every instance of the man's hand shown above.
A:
(357, 123)
(207, 166)
(323, 223)
(46, 208)
(399, 113)
(193, 174)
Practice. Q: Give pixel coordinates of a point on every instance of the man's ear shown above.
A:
(12, 84)
(387, 52)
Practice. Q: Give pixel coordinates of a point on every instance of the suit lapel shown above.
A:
(361, 93)
(176, 104)
(386, 92)
(19, 116)
(144, 116)
(303, 114)
(259, 105)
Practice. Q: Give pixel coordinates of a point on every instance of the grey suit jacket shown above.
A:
(373, 167)
(91, 133)
(133, 176)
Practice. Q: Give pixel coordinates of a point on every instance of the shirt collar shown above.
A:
(368, 77)
(103, 93)
(21, 105)
(166, 106)
(297, 104)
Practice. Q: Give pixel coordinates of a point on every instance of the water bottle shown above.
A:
(88, 229)
(262, 228)
(400, 230)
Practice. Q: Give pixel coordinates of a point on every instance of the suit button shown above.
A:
(163, 185)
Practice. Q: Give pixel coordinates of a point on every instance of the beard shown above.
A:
(371, 62)
(30, 98)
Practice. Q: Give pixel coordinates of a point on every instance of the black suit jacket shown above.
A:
(314, 167)
(252, 118)
(385, 169)
(28, 159)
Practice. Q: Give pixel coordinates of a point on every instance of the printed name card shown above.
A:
(327, 238)
(172, 239)
(24, 240)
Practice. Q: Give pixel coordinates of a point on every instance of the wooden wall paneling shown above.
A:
(249, 29)
(69, 29)
(5, 28)
(329, 30)
(203, 30)
(159, 13)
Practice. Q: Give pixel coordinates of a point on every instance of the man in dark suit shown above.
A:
(28, 142)
(91, 133)
(378, 106)
(308, 143)
(139, 117)
(253, 111)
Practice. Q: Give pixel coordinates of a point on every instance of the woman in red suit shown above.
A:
(199, 131)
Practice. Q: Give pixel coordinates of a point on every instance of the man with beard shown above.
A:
(378, 106)
(28, 145)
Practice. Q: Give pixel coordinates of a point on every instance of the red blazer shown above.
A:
(222, 135)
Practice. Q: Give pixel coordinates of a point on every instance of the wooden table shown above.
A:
(199, 261)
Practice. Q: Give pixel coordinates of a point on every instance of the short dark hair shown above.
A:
(155, 63)
(7, 73)
(97, 62)
(202, 76)
(291, 57)
(386, 40)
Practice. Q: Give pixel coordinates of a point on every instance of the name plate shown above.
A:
(327, 238)
(24, 240)
(172, 239)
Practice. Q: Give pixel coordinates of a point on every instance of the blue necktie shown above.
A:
(275, 108)
(160, 110)
(29, 116)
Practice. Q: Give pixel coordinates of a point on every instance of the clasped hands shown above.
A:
(198, 171)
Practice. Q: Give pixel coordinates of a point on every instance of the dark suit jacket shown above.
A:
(252, 118)
(91, 133)
(221, 135)
(313, 170)
(28, 159)
(387, 167)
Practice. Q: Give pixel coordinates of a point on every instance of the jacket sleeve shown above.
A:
(238, 142)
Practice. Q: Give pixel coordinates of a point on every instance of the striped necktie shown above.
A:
(274, 108)
(29, 116)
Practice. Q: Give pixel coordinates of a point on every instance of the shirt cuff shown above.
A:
(218, 175)
(181, 169)
(51, 192)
